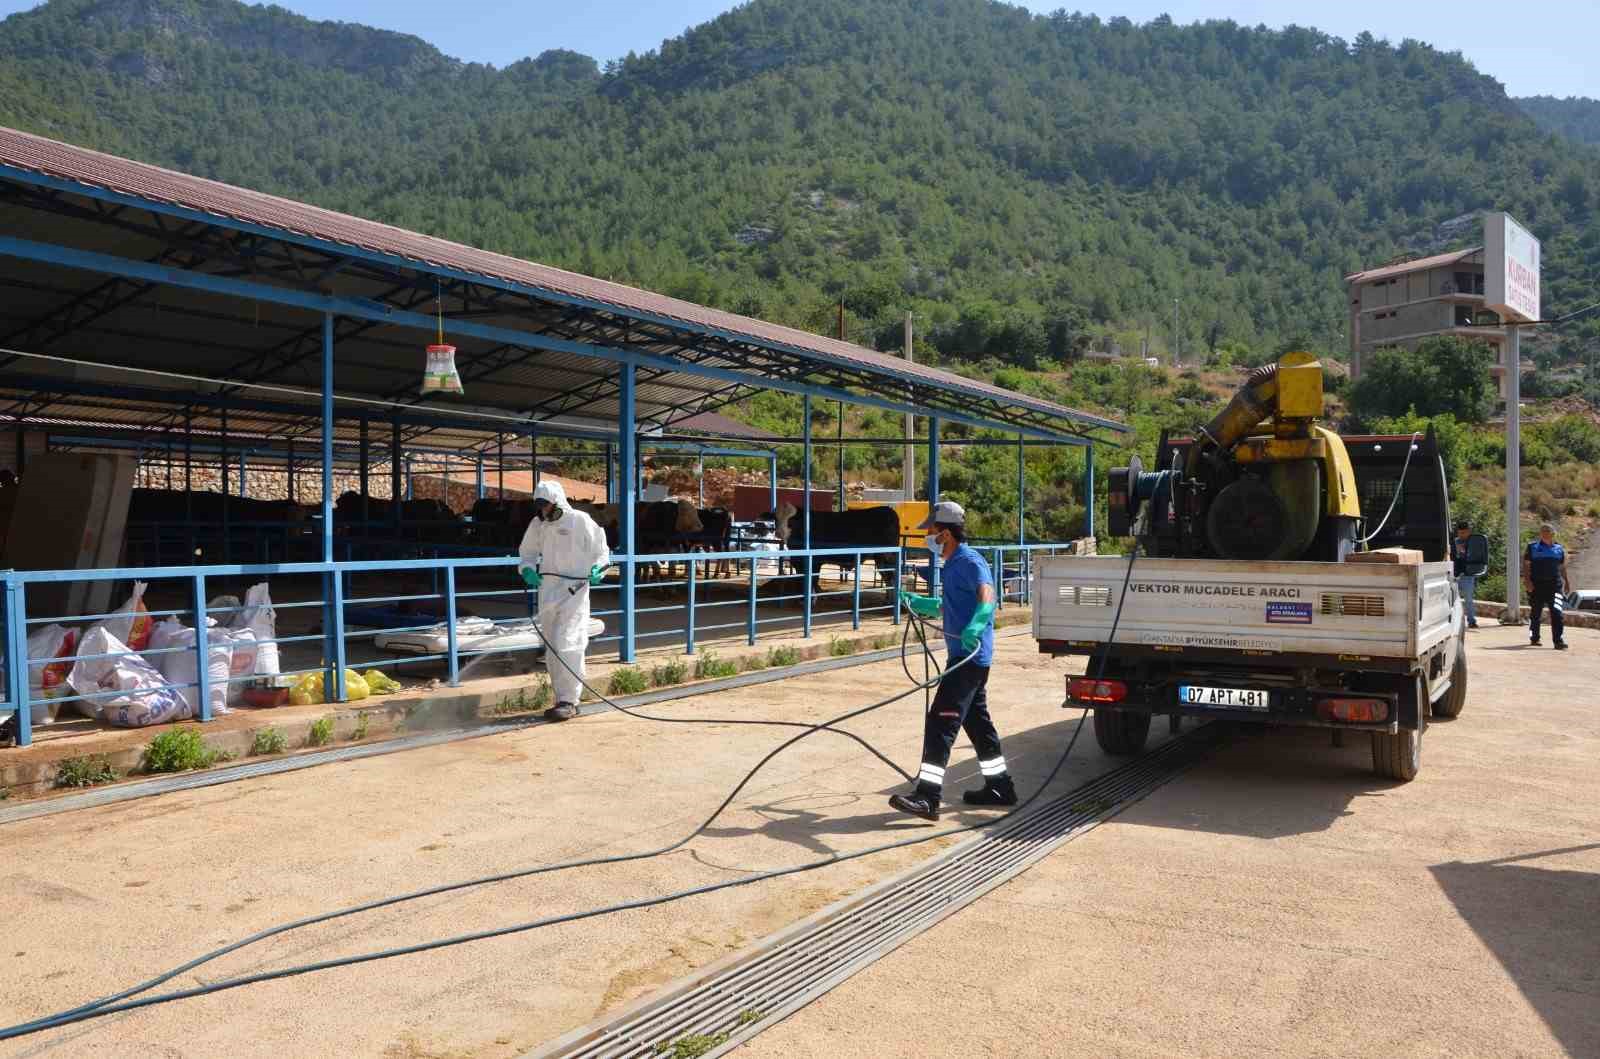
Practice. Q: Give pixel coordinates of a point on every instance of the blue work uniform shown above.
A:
(963, 574)
(1544, 563)
(962, 701)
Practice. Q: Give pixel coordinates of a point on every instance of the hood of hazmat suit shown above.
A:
(563, 551)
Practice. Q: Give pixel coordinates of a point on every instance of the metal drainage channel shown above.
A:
(271, 767)
(788, 970)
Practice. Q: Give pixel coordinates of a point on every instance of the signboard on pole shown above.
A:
(1510, 269)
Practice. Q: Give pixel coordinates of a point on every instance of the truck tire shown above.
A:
(1454, 699)
(1398, 756)
(1121, 732)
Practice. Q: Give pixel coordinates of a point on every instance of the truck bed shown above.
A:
(1369, 612)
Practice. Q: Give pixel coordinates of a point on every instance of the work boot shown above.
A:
(1560, 645)
(997, 791)
(917, 804)
(1533, 641)
(561, 711)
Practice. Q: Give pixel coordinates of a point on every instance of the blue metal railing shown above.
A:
(709, 604)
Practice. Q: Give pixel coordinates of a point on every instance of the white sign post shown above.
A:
(1511, 288)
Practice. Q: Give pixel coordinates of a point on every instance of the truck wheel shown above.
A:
(1398, 756)
(1121, 732)
(1454, 699)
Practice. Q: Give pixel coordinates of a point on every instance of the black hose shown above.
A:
(121, 1001)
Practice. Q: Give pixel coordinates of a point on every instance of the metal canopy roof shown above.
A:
(129, 265)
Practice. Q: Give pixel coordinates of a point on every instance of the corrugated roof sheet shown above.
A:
(717, 423)
(1419, 265)
(51, 158)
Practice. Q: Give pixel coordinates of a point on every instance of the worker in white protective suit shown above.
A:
(563, 553)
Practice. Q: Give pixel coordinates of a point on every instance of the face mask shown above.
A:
(933, 544)
(552, 513)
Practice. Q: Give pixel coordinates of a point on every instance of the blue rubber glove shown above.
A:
(530, 577)
(597, 574)
(921, 606)
(972, 635)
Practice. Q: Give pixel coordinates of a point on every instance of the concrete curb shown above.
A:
(1489, 609)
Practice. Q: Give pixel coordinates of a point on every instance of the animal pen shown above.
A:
(194, 330)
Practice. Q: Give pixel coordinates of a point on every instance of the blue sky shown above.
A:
(1549, 49)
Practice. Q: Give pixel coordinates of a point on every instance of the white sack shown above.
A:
(146, 699)
(180, 667)
(259, 617)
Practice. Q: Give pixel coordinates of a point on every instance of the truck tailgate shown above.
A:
(1361, 609)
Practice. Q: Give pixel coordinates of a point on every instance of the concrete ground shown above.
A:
(1279, 900)
(100, 898)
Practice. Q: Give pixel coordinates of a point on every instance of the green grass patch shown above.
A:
(267, 741)
(709, 667)
(751, 1015)
(882, 643)
(84, 772)
(321, 733)
(839, 647)
(693, 1045)
(180, 750)
(363, 725)
(627, 681)
(667, 674)
(783, 656)
(753, 663)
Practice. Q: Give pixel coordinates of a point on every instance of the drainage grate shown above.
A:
(786, 971)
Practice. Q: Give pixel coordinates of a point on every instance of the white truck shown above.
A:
(1353, 645)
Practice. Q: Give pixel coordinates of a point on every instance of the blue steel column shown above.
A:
(333, 594)
(772, 483)
(244, 483)
(805, 508)
(17, 659)
(1088, 491)
(480, 476)
(933, 496)
(628, 491)
(611, 476)
(1022, 495)
(533, 454)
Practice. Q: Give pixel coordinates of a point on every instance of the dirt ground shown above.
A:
(101, 898)
(1278, 900)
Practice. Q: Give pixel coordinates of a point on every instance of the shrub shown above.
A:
(782, 656)
(839, 647)
(363, 722)
(709, 667)
(667, 674)
(84, 772)
(321, 733)
(180, 750)
(753, 663)
(267, 741)
(627, 681)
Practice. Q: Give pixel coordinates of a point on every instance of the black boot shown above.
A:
(561, 711)
(997, 791)
(917, 803)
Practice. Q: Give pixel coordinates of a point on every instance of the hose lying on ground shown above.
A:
(130, 1000)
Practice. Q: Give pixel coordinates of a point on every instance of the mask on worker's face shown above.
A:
(932, 542)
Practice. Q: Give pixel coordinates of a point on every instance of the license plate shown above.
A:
(1223, 698)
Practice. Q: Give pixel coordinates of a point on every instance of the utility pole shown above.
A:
(908, 461)
(1177, 356)
(1513, 612)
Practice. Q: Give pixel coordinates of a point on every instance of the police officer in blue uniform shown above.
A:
(962, 699)
(1544, 575)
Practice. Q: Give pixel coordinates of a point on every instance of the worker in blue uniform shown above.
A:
(1544, 575)
(962, 700)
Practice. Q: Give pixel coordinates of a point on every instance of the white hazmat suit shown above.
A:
(570, 546)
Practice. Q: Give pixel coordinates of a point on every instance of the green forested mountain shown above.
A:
(1574, 117)
(1029, 185)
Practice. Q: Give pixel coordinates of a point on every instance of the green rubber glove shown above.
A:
(530, 577)
(921, 606)
(597, 574)
(972, 635)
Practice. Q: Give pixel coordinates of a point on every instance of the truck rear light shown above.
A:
(1089, 689)
(1353, 710)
